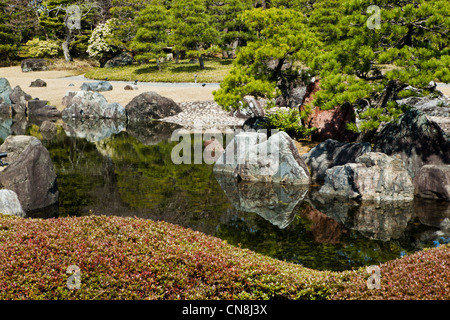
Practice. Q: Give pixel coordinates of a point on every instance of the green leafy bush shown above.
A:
(38, 48)
(289, 121)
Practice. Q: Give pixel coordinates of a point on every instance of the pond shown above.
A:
(107, 168)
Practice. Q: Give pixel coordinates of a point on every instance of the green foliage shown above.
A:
(290, 122)
(282, 39)
(101, 45)
(152, 35)
(8, 40)
(38, 48)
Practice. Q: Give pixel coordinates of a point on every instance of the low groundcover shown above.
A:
(99, 257)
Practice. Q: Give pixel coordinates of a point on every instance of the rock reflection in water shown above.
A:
(93, 130)
(274, 202)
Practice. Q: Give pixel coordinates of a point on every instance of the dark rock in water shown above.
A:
(433, 181)
(48, 129)
(40, 108)
(151, 106)
(30, 172)
(90, 105)
(151, 132)
(97, 86)
(121, 60)
(374, 177)
(416, 140)
(332, 153)
(29, 65)
(38, 83)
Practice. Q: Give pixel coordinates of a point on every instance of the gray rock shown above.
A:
(40, 108)
(97, 86)
(30, 65)
(91, 105)
(236, 150)
(151, 106)
(416, 140)
(250, 107)
(130, 87)
(275, 160)
(19, 100)
(10, 204)
(5, 91)
(30, 172)
(38, 83)
(433, 181)
(48, 129)
(121, 60)
(332, 153)
(374, 177)
(434, 105)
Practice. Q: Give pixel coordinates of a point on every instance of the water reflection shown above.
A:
(273, 202)
(111, 168)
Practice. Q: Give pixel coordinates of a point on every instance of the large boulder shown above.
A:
(19, 101)
(375, 177)
(97, 86)
(416, 140)
(235, 151)
(29, 173)
(10, 204)
(434, 105)
(91, 105)
(121, 60)
(5, 91)
(332, 153)
(433, 181)
(276, 160)
(29, 65)
(151, 106)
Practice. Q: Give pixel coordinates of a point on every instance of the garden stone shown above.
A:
(235, 151)
(433, 181)
(121, 60)
(97, 86)
(40, 108)
(5, 91)
(91, 105)
(151, 106)
(332, 153)
(375, 177)
(29, 65)
(10, 204)
(30, 172)
(48, 129)
(417, 140)
(250, 107)
(19, 101)
(276, 160)
(38, 83)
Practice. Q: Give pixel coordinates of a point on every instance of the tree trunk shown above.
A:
(177, 56)
(158, 63)
(66, 45)
(201, 62)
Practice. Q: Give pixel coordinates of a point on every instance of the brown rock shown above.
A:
(433, 181)
(29, 173)
(151, 106)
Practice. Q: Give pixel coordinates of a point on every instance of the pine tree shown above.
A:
(192, 28)
(152, 35)
(8, 40)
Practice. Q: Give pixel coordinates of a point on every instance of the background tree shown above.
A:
(152, 36)
(8, 40)
(282, 43)
(192, 29)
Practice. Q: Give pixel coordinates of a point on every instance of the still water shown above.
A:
(108, 168)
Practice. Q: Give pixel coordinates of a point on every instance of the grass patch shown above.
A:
(214, 72)
(131, 258)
